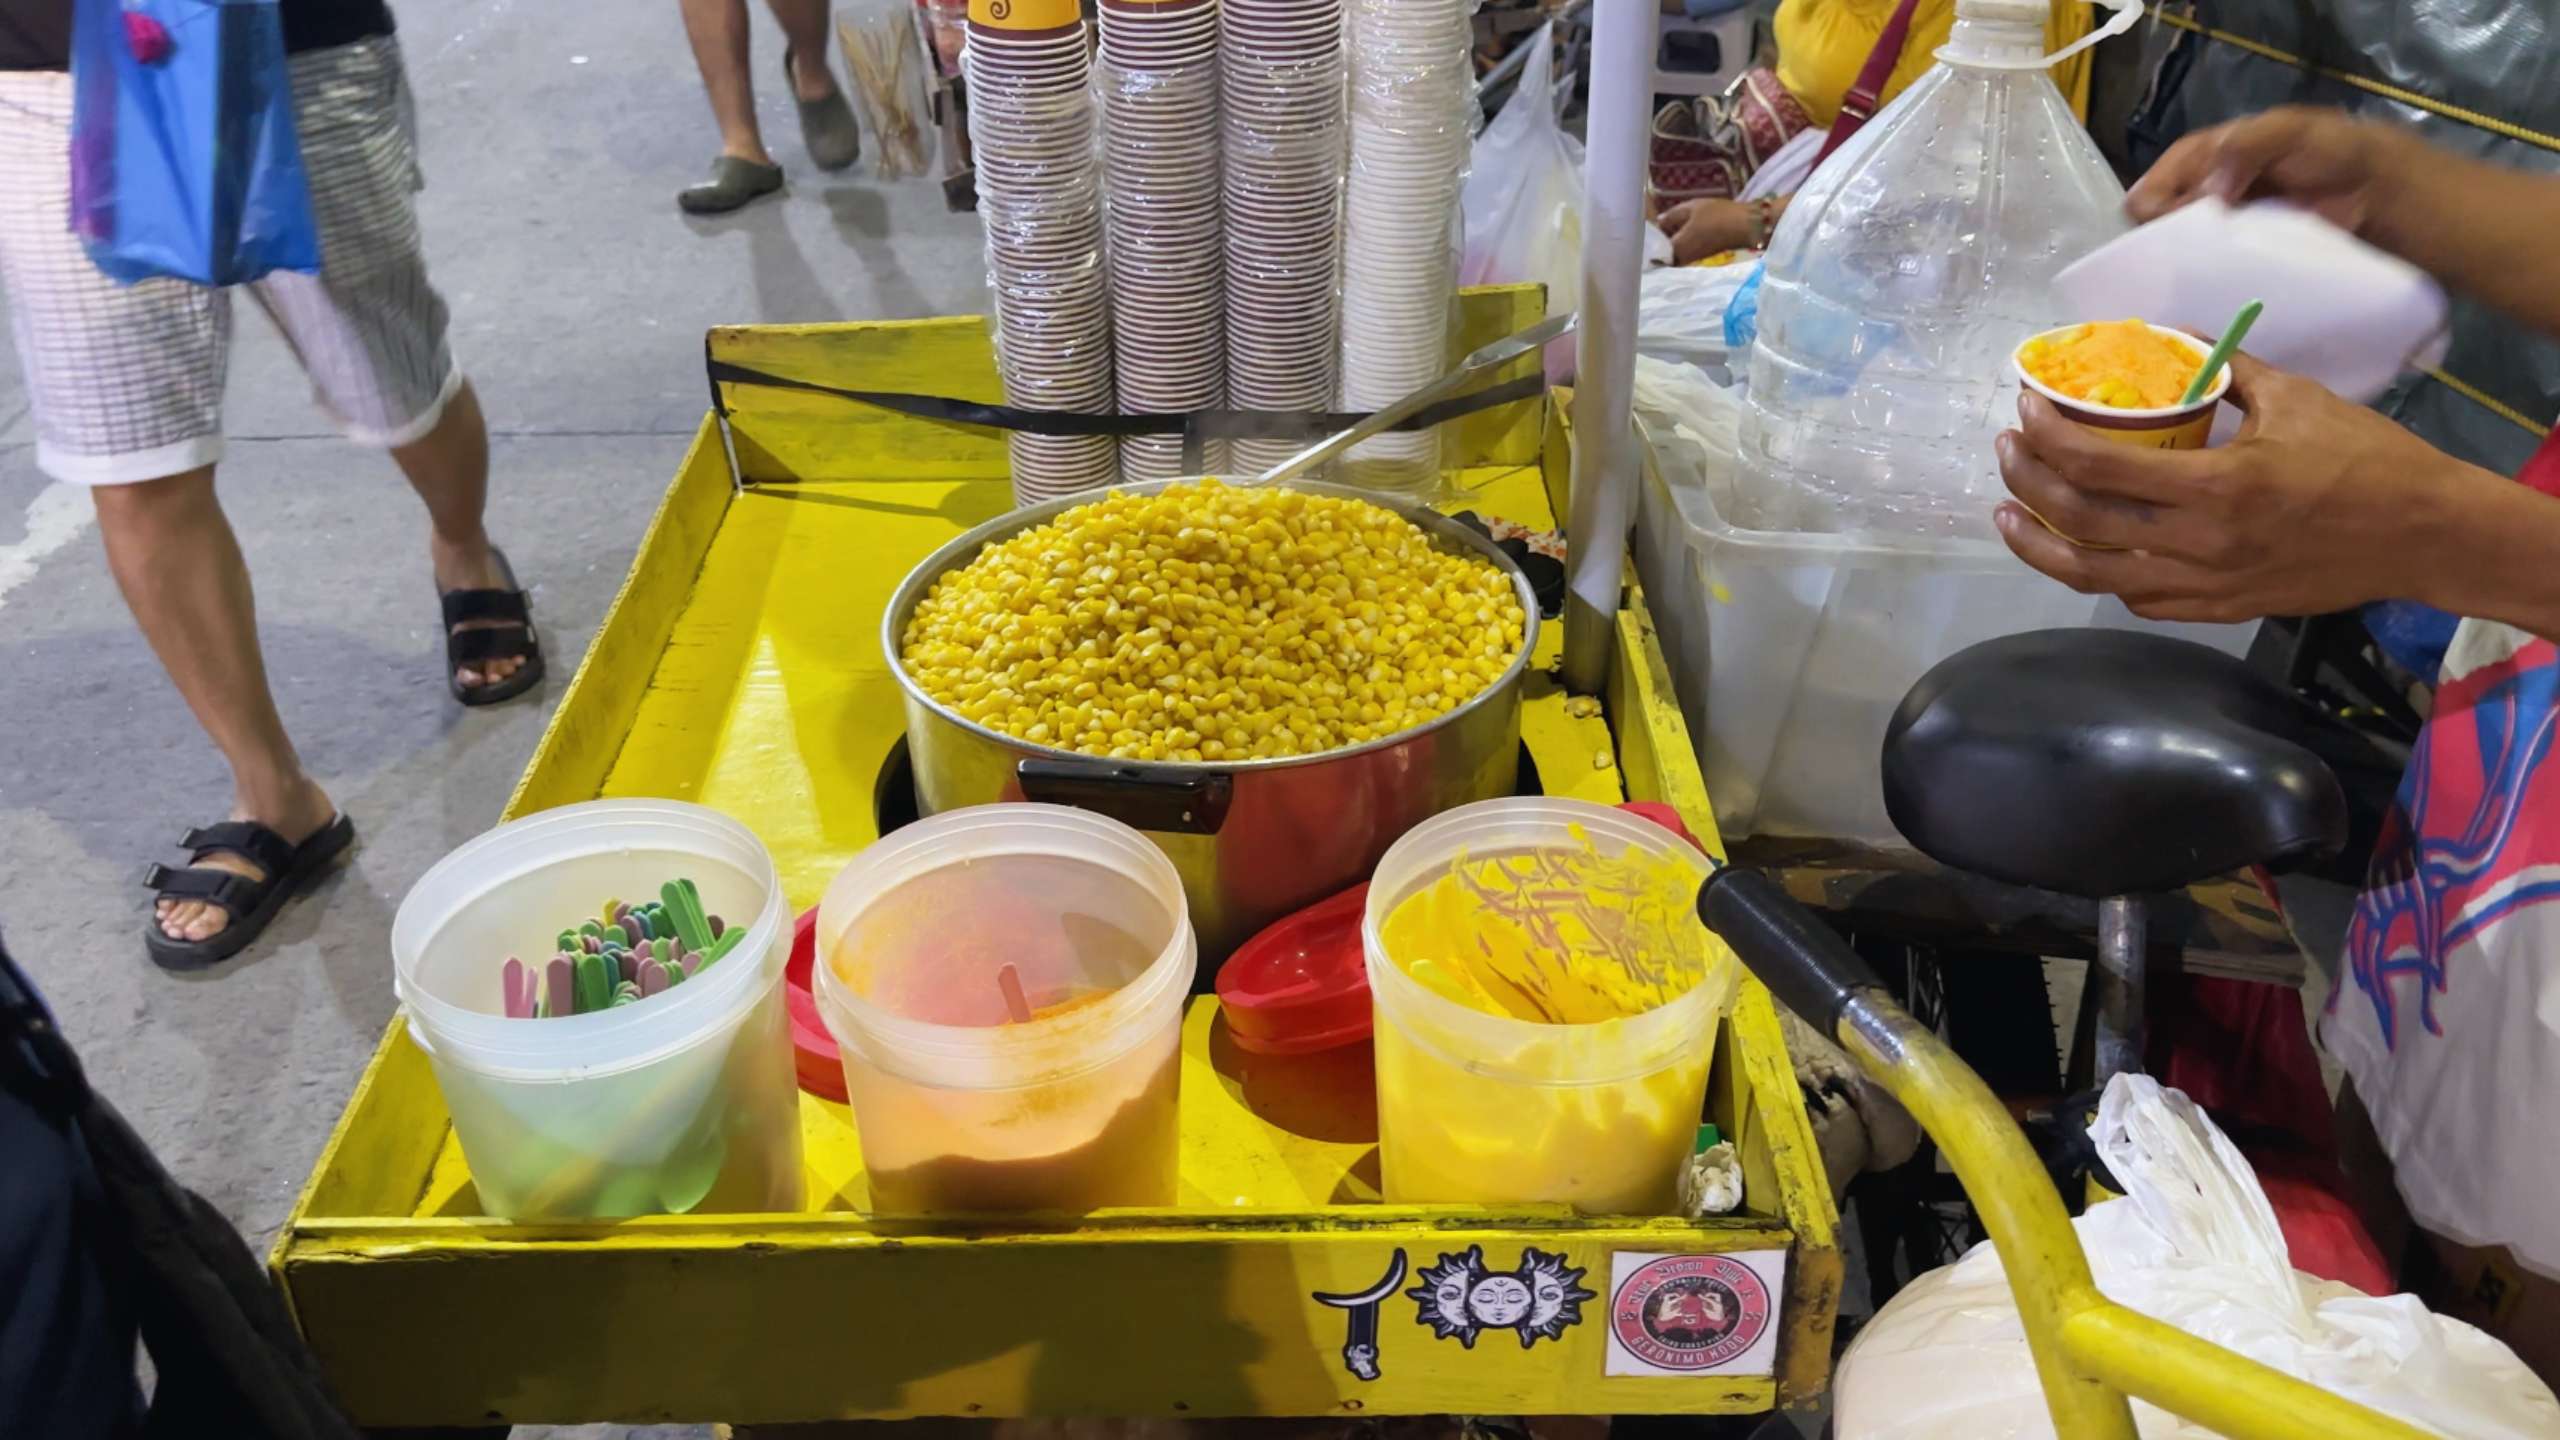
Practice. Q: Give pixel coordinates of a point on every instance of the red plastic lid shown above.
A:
(813, 1050)
(1662, 815)
(1301, 985)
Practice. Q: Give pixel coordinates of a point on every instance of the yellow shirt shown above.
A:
(1823, 44)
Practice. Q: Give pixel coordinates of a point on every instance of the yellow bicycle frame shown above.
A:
(2090, 1352)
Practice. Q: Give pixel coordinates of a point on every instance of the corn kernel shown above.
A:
(1208, 622)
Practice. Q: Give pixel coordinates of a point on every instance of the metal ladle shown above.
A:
(1501, 352)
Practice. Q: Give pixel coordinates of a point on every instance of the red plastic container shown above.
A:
(1301, 986)
(1662, 815)
(813, 1050)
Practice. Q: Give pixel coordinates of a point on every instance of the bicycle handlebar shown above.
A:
(1804, 963)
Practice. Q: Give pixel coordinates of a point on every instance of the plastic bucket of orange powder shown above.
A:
(1007, 984)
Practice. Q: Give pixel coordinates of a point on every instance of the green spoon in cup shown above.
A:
(2220, 355)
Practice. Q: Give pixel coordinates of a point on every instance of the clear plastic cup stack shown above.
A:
(1157, 76)
(1031, 130)
(1412, 83)
(1282, 71)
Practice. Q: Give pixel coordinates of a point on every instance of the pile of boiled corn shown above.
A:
(1210, 623)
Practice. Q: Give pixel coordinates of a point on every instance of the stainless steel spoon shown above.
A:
(1501, 352)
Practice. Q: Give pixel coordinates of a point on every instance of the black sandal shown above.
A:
(250, 903)
(512, 637)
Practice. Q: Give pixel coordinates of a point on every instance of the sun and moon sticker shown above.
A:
(1679, 1315)
(1462, 1297)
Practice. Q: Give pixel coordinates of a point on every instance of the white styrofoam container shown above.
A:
(1791, 651)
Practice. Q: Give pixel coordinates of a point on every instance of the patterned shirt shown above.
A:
(2447, 1008)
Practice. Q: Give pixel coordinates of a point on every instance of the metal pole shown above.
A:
(1623, 36)
(2119, 978)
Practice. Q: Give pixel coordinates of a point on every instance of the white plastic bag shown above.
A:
(1523, 198)
(2193, 1244)
(1689, 418)
(1680, 316)
(1688, 421)
(1522, 206)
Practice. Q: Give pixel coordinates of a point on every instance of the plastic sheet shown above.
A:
(1157, 81)
(1031, 129)
(1412, 93)
(885, 57)
(2337, 310)
(1282, 75)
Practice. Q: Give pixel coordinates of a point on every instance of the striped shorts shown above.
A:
(126, 380)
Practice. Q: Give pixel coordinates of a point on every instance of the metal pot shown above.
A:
(1256, 839)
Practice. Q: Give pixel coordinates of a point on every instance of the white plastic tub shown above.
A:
(1790, 652)
(961, 1109)
(685, 1101)
(1485, 1109)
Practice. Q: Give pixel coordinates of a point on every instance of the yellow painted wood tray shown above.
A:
(740, 668)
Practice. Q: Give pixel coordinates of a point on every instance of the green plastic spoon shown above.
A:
(2232, 335)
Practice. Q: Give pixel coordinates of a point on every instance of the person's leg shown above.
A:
(827, 125)
(449, 468)
(371, 329)
(717, 30)
(126, 385)
(179, 566)
(804, 32)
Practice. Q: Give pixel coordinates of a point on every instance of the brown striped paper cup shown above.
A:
(2166, 427)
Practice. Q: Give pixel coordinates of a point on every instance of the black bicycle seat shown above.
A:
(2107, 762)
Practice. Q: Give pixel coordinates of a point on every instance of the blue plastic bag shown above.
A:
(2415, 636)
(1742, 312)
(184, 161)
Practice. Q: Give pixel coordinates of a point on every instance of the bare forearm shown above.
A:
(2490, 549)
(2482, 229)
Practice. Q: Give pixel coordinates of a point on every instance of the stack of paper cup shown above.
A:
(1158, 78)
(1282, 76)
(1031, 129)
(1412, 82)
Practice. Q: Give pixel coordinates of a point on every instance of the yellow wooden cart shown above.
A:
(740, 667)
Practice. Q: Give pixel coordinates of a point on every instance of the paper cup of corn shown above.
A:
(2121, 379)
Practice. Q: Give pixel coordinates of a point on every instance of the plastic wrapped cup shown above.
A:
(962, 1107)
(682, 1102)
(1485, 1109)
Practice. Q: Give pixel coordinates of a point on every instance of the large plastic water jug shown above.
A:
(1905, 271)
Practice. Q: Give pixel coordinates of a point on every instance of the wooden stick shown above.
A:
(1016, 1004)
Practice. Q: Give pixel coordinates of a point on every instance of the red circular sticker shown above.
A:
(1690, 1312)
